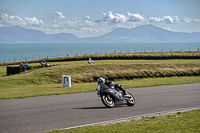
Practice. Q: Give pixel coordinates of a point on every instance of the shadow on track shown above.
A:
(121, 106)
(91, 108)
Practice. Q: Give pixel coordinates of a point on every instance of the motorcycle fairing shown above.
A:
(114, 93)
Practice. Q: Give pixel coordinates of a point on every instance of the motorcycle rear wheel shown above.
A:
(108, 100)
(130, 101)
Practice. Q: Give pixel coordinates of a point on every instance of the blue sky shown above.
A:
(88, 18)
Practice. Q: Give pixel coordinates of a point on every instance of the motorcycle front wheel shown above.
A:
(107, 100)
(130, 101)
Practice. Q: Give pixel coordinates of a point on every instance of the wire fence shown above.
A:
(87, 53)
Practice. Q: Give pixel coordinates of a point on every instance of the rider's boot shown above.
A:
(126, 95)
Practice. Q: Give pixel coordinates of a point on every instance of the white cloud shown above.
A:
(176, 19)
(88, 18)
(3, 17)
(121, 18)
(33, 21)
(117, 18)
(171, 20)
(156, 19)
(60, 15)
(75, 24)
(167, 19)
(16, 20)
(134, 17)
(189, 20)
(56, 15)
(108, 16)
(196, 20)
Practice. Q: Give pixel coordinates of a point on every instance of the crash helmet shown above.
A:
(101, 81)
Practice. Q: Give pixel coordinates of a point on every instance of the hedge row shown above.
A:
(149, 56)
(150, 76)
(131, 76)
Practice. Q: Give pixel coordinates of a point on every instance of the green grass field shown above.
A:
(181, 122)
(47, 81)
(81, 71)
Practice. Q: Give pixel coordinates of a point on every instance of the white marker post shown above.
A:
(66, 81)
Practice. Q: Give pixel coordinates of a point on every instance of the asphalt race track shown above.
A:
(45, 113)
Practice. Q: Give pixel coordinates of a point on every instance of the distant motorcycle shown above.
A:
(111, 96)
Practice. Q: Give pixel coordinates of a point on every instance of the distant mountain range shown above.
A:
(145, 33)
(20, 35)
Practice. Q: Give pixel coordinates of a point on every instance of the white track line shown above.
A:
(137, 117)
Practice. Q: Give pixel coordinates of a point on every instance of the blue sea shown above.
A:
(22, 52)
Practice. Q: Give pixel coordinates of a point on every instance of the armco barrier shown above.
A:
(19, 69)
(15, 70)
(10, 70)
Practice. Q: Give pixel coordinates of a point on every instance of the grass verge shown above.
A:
(10, 91)
(181, 122)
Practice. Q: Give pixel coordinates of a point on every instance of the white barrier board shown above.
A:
(66, 81)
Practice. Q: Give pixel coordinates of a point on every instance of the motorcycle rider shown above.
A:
(105, 81)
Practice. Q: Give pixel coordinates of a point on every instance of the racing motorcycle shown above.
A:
(111, 96)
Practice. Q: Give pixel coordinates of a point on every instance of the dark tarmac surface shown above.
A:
(45, 113)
